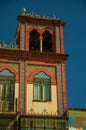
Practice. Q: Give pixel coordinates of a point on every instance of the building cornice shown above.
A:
(42, 21)
(32, 56)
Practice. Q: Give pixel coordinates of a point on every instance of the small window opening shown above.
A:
(47, 41)
(34, 42)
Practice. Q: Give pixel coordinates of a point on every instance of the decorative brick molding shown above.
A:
(40, 31)
(28, 35)
(15, 66)
(30, 78)
(33, 67)
(47, 28)
(11, 70)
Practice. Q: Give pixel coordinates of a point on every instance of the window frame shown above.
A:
(43, 96)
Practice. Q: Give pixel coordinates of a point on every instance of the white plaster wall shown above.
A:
(38, 107)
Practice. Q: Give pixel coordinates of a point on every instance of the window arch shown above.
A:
(41, 86)
(10, 69)
(47, 41)
(34, 42)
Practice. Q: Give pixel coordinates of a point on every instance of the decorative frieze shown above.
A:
(23, 87)
(60, 87)
(59, 46)
(13, 65)
(23, 36)
(51, 69)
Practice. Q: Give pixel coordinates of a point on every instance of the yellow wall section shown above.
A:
(16, 90)
(38, 107)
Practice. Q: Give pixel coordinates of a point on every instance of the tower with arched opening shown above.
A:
(32, 75)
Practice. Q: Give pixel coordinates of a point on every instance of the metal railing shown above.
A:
(44, 122)
(11, 45)
(8, 104)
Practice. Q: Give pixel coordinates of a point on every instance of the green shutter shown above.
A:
(35, 92)
(44, 92)
(3, 91)
(39, 91)
(12, 90)
(7, 91)
(48, 92)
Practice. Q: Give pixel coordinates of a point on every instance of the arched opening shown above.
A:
(47, 41)
(7, 88)
(34, 42)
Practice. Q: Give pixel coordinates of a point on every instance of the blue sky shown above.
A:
(73, 12)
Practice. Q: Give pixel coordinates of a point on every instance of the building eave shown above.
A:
(32, 56)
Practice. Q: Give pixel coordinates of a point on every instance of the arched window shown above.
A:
(47, 41)
(7, 90)
(34, 42)
(42, 87)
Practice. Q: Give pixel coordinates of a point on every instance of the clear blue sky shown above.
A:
(73, 12)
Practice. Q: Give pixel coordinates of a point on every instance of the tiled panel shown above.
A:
(60, 86)
(13, 65)
(23, 36)
(59, 46)
(23, 86)
(51, 69)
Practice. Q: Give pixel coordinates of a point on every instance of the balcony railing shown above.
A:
(11, 45)
(8, 104)
(35, 122)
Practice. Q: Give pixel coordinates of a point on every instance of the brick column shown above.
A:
(64, 86)
(56, 39)
(62, 39)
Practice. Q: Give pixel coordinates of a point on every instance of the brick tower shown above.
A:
(39, 76)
